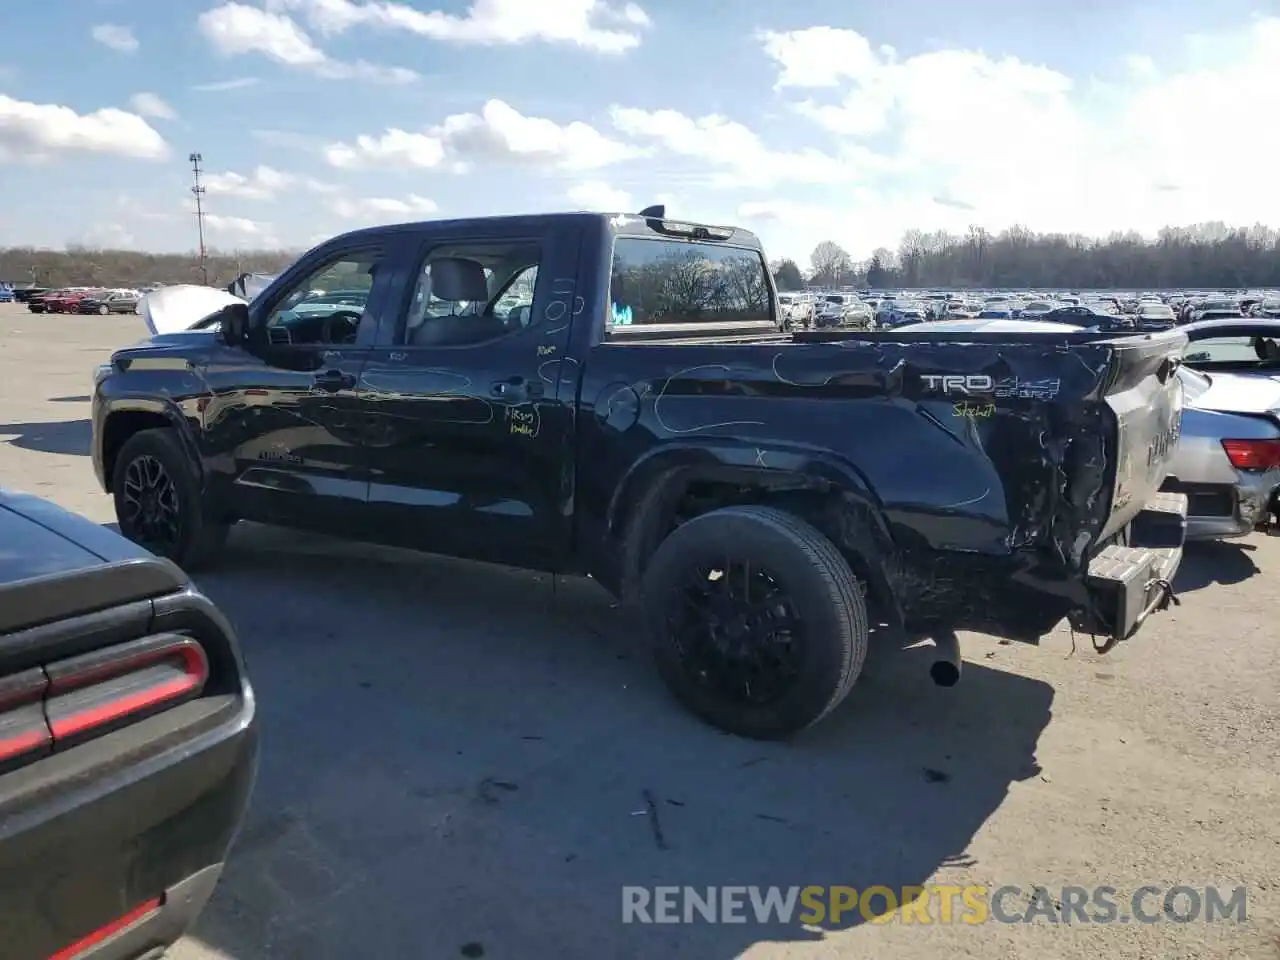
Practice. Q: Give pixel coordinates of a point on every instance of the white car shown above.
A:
(830, 309)
(796, 309)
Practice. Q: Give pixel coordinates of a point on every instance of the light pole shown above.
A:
(197, 190)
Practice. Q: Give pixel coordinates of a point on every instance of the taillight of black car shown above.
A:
(58, 705)
(24, 731)
(75, 678)
(101, 691)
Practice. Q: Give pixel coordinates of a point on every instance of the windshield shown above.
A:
(661, 280)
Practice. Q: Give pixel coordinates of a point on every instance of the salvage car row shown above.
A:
(868, 309)
(84, 300)
(614, 396)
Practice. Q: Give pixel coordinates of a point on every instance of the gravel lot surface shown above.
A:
(459, 762)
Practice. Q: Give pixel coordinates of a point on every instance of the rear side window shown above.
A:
(677, 281)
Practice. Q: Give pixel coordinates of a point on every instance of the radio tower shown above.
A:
(197, 190)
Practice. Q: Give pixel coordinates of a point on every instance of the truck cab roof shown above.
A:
(620, 224)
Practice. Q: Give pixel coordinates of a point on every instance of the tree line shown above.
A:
(91, 267)
(1207, 255)
(1204, 256)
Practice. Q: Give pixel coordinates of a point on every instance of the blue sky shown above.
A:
(809, 120)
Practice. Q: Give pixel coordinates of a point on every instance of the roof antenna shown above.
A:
(657, 212)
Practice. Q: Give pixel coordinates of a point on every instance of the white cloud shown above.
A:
(1141, 66)
(235, 29)
(236, 226)
(109, 236)
(118, 38)
(818, 56)
(39, 130)
(264, 183)
(737, 154)
(219, 86)
(590, 24)
(151, 105)
(597, 195)
(395, 148)
(499, 133)
(372, 210)
(964, 137)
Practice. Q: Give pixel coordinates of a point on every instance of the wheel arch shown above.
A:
(127, 416)
(676, 482)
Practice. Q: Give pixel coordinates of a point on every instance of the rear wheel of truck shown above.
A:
(158, 503)
(755, 619)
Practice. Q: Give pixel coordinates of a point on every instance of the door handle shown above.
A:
(334, 380)
(516, 389)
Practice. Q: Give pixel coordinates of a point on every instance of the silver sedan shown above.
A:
(1228, 456)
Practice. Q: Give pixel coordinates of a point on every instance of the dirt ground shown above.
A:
(458, 761)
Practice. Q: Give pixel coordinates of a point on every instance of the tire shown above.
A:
(825, 598)
(198, 537)
(103, 310)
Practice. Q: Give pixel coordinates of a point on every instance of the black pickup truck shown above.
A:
(615, 396)
(127, 741)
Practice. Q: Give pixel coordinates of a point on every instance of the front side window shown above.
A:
(325, 306)
(676, 281)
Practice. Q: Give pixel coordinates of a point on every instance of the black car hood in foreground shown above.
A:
(38, 538)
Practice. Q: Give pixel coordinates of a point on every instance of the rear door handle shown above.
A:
(516, 389)
(334, 380)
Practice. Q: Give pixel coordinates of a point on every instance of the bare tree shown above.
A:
(831, 264)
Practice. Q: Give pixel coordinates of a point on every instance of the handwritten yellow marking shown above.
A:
(974, 411)
(524, 423)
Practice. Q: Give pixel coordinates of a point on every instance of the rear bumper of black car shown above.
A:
(110, 847)
(138, 844)
(1127, 582)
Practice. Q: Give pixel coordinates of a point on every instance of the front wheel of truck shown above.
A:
(158, 503)
(755, 620)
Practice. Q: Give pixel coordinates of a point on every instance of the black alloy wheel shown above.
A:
(159, 502)
(152, 513)
(755, 620)
(738, 632)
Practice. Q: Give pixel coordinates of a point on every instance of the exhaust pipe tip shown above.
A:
(945, 670)
(944, 673)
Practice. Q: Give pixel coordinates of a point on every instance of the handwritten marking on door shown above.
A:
(524, 421)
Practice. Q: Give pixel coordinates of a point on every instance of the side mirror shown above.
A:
(233, 320)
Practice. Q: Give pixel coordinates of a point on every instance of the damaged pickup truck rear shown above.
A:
(615, 396)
